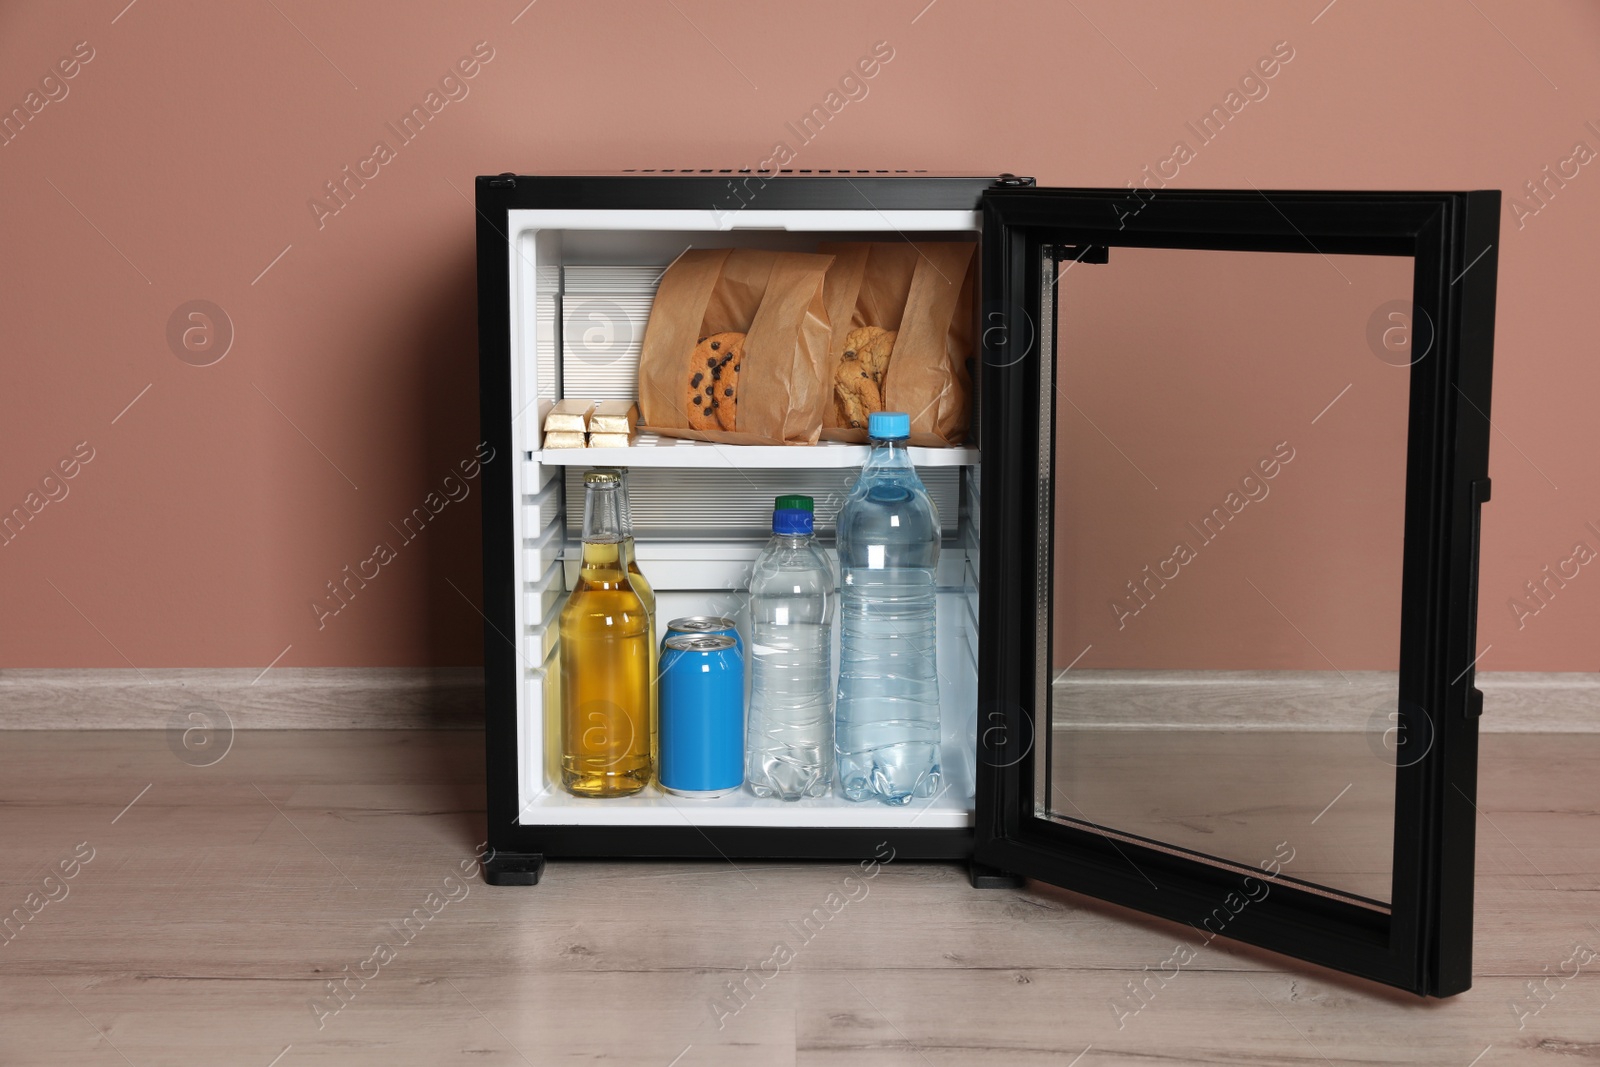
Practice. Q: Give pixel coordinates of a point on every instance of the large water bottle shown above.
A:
(789, 746)
(887, 730)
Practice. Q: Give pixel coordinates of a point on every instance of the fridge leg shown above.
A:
(513, 868)
(983, 876)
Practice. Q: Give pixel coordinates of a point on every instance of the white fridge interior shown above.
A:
(581, 282)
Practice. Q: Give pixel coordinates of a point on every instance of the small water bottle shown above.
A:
(789, 739)
(887, 727)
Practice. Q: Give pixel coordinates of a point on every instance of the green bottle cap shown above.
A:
(795, 501)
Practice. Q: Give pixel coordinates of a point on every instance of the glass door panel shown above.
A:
(1227, 506)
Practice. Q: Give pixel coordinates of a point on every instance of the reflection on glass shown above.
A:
(1228, 480)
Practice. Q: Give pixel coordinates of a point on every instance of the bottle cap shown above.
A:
(889, 425)
(791, 521)
(602, 476)
(795, 500)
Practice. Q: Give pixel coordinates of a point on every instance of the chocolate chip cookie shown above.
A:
(858, 380)
(715, 358)
(725, 387)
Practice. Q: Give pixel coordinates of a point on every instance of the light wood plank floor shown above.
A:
(219, 904)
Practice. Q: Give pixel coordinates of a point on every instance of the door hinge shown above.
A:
(507, 180)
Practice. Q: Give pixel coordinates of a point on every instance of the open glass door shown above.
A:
(1234, 449)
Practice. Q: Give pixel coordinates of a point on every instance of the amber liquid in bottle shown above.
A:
(641, 585)
(607, 720)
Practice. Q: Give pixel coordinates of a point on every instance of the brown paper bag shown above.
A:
(776, 300)
(925, 292)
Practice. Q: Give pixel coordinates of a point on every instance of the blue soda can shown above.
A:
(704, 624)
(702, 715)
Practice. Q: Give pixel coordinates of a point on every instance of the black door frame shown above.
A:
(1424, 943)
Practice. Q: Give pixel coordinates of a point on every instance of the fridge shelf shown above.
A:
(950, 809)
(650, 450)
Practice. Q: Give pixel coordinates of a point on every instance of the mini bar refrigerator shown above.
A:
(1207, 589)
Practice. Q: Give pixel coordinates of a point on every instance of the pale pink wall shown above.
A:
(1227, 442)
(191, 142)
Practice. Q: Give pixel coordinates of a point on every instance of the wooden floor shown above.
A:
(217, 907)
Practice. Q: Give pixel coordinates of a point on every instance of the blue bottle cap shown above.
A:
(889, 425)
(791, 521)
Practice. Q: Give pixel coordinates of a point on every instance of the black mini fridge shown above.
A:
(1208, 579)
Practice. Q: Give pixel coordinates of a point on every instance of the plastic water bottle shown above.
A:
(887, 730)
(789, 746)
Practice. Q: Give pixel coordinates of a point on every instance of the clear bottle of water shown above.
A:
(789, 739)
(887, 725)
